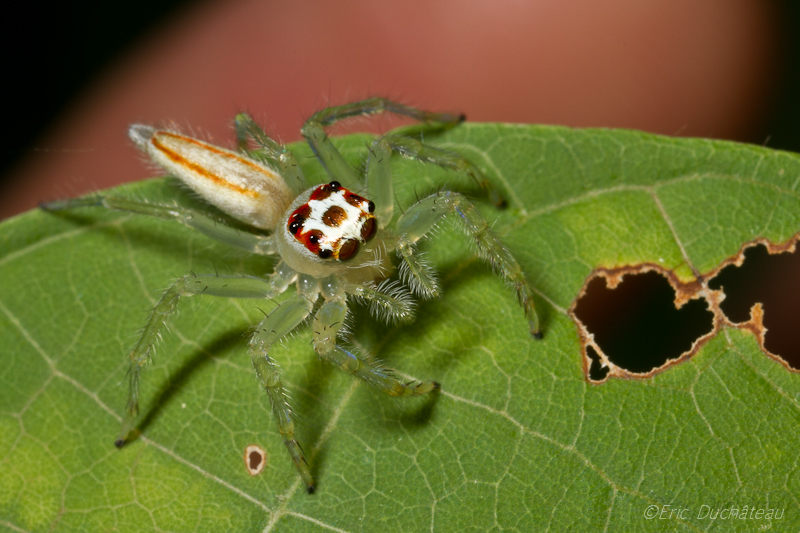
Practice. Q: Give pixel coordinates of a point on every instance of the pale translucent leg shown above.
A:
(217, 230)
(190, 285)
(271, 153)
(423, 216)
(328, 322)
(314, 132)
(380, 188)
(414, 149)
(280, 322)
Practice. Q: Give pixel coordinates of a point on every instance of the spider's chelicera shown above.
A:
(332, 241)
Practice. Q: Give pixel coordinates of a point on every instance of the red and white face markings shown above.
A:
(334, 222)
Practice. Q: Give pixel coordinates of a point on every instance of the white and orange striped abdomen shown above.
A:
(240, 186)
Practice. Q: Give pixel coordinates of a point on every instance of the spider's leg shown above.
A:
(215, 229)
(415, 149)
(190, 285)
(423, 216)
(328, 322)
(379, 181)
(314, 132)
(270, 151)
(280, 322)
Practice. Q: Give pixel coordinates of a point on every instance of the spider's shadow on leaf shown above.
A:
(177, 380)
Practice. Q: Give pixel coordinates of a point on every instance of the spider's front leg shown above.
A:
(423, 216)
(190, 285)
(280, 322)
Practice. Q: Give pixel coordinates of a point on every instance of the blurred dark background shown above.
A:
(54, 50)
(720, 68)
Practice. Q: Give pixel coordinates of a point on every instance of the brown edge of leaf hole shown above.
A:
(684, 292)
(248, 459)
(756, 323)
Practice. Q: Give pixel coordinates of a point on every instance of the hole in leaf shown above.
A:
(597, 372)
(255, 458)
(769, 279)
(636, 325)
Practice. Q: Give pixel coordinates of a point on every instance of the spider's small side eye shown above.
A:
(325, 254)
(295, 225)
(335, 185)
(369, 229)
(348, 250)
(313, 238)
(371, 206)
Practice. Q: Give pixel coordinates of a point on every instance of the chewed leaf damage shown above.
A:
(653, 338)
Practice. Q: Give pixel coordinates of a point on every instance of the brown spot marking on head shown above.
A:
(353, 199)
(255, 458)
(334, 216)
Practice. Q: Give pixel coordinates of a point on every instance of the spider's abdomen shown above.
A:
(242, 187)
(334, 222)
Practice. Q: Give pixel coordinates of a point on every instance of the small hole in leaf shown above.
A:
(597, 372)
(772, 280)
(636, 325)
(255, 458)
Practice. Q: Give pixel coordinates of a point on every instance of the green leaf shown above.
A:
(517, 441)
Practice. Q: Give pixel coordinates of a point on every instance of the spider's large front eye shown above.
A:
(348, 250)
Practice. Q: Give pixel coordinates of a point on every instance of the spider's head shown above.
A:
(333, 223)
(325, 227)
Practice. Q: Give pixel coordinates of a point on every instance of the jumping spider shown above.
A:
(329, 240)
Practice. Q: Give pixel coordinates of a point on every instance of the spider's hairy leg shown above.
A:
(275, 153)
(414, 149)
(314, 131)
(423, 216)
(280, 322)
(190, 285)
(328, 322)
(389, 301)
(215, 229)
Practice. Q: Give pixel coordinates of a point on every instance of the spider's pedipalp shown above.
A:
(416, 272)
(390, 301)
